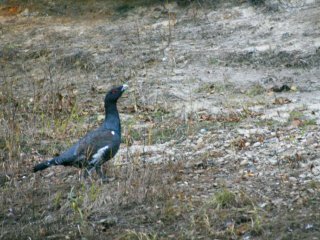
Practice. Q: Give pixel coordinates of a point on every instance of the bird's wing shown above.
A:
(67, 156)
(101, 143)
(86, 150)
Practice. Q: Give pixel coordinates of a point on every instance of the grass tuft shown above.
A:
(223, 199)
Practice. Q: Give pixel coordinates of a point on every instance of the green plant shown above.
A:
(295, 114)
(124, 8)
(257, 2)
(75, 202)
(256, 223)
(10, 107)
(255, 90)
(57, 201)
(135, 235)
(94, 192)
(214, 61)
(223, 199)
(310, 122)
(169, 212)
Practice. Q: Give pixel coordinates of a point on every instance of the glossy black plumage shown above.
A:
(97, 146)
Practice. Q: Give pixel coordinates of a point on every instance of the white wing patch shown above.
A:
(97, 156)
(112, 132)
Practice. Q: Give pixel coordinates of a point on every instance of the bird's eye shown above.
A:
(114, 91)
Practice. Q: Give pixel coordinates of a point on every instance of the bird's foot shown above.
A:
(86, 174)
(105, 179)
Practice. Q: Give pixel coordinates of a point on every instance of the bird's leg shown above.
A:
(103, 177)
(87, 172)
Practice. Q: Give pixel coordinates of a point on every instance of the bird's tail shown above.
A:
(44, 165)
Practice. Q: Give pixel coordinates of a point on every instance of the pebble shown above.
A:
(273, 161)
(127, 74)
(253, 131)
(262, 205)
(311, 191)
(293, 179)
(244, 162)
(44, 142)
(109, 221)
(25, 13)
(310, 141)
(249, 155)
(303, 176)
(256, 144)
(200, 140)
(49, 219)
(203, 130)
(244, 132)
(222, 160)
(272, 140)
(309, 226)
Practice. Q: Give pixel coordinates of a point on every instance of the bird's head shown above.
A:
(115, 93)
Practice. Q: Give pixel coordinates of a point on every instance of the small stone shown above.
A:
(49, 219)
(256, 144)
(222, 160)
(44, 142)
(310, 141)
(247, 144)
(244, 132)
(310, 191)
(199, 146)
(303, 176)
(198, 164)
(199, 141)
(293, 179)
(194, 164)
(277, 201)
(273, 161)
(127, 75)
(100, 117)
(108, 222)
(309, 226)
(49, 174)
(249, 155)
(203, 130)
(262, 205)
(272, 140)
(25, 13)
(244, 162)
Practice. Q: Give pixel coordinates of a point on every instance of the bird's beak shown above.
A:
(124, 87)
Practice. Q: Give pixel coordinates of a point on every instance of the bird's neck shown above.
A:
(112, 120)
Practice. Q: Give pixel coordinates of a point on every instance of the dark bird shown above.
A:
(97, 146)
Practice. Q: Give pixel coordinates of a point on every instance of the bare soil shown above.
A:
(220, 124)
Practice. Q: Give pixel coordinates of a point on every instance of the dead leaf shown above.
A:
(13, 10)
(206, 117)
(281, 101)
(297, 123)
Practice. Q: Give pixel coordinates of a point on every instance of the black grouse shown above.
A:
(97, 146)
